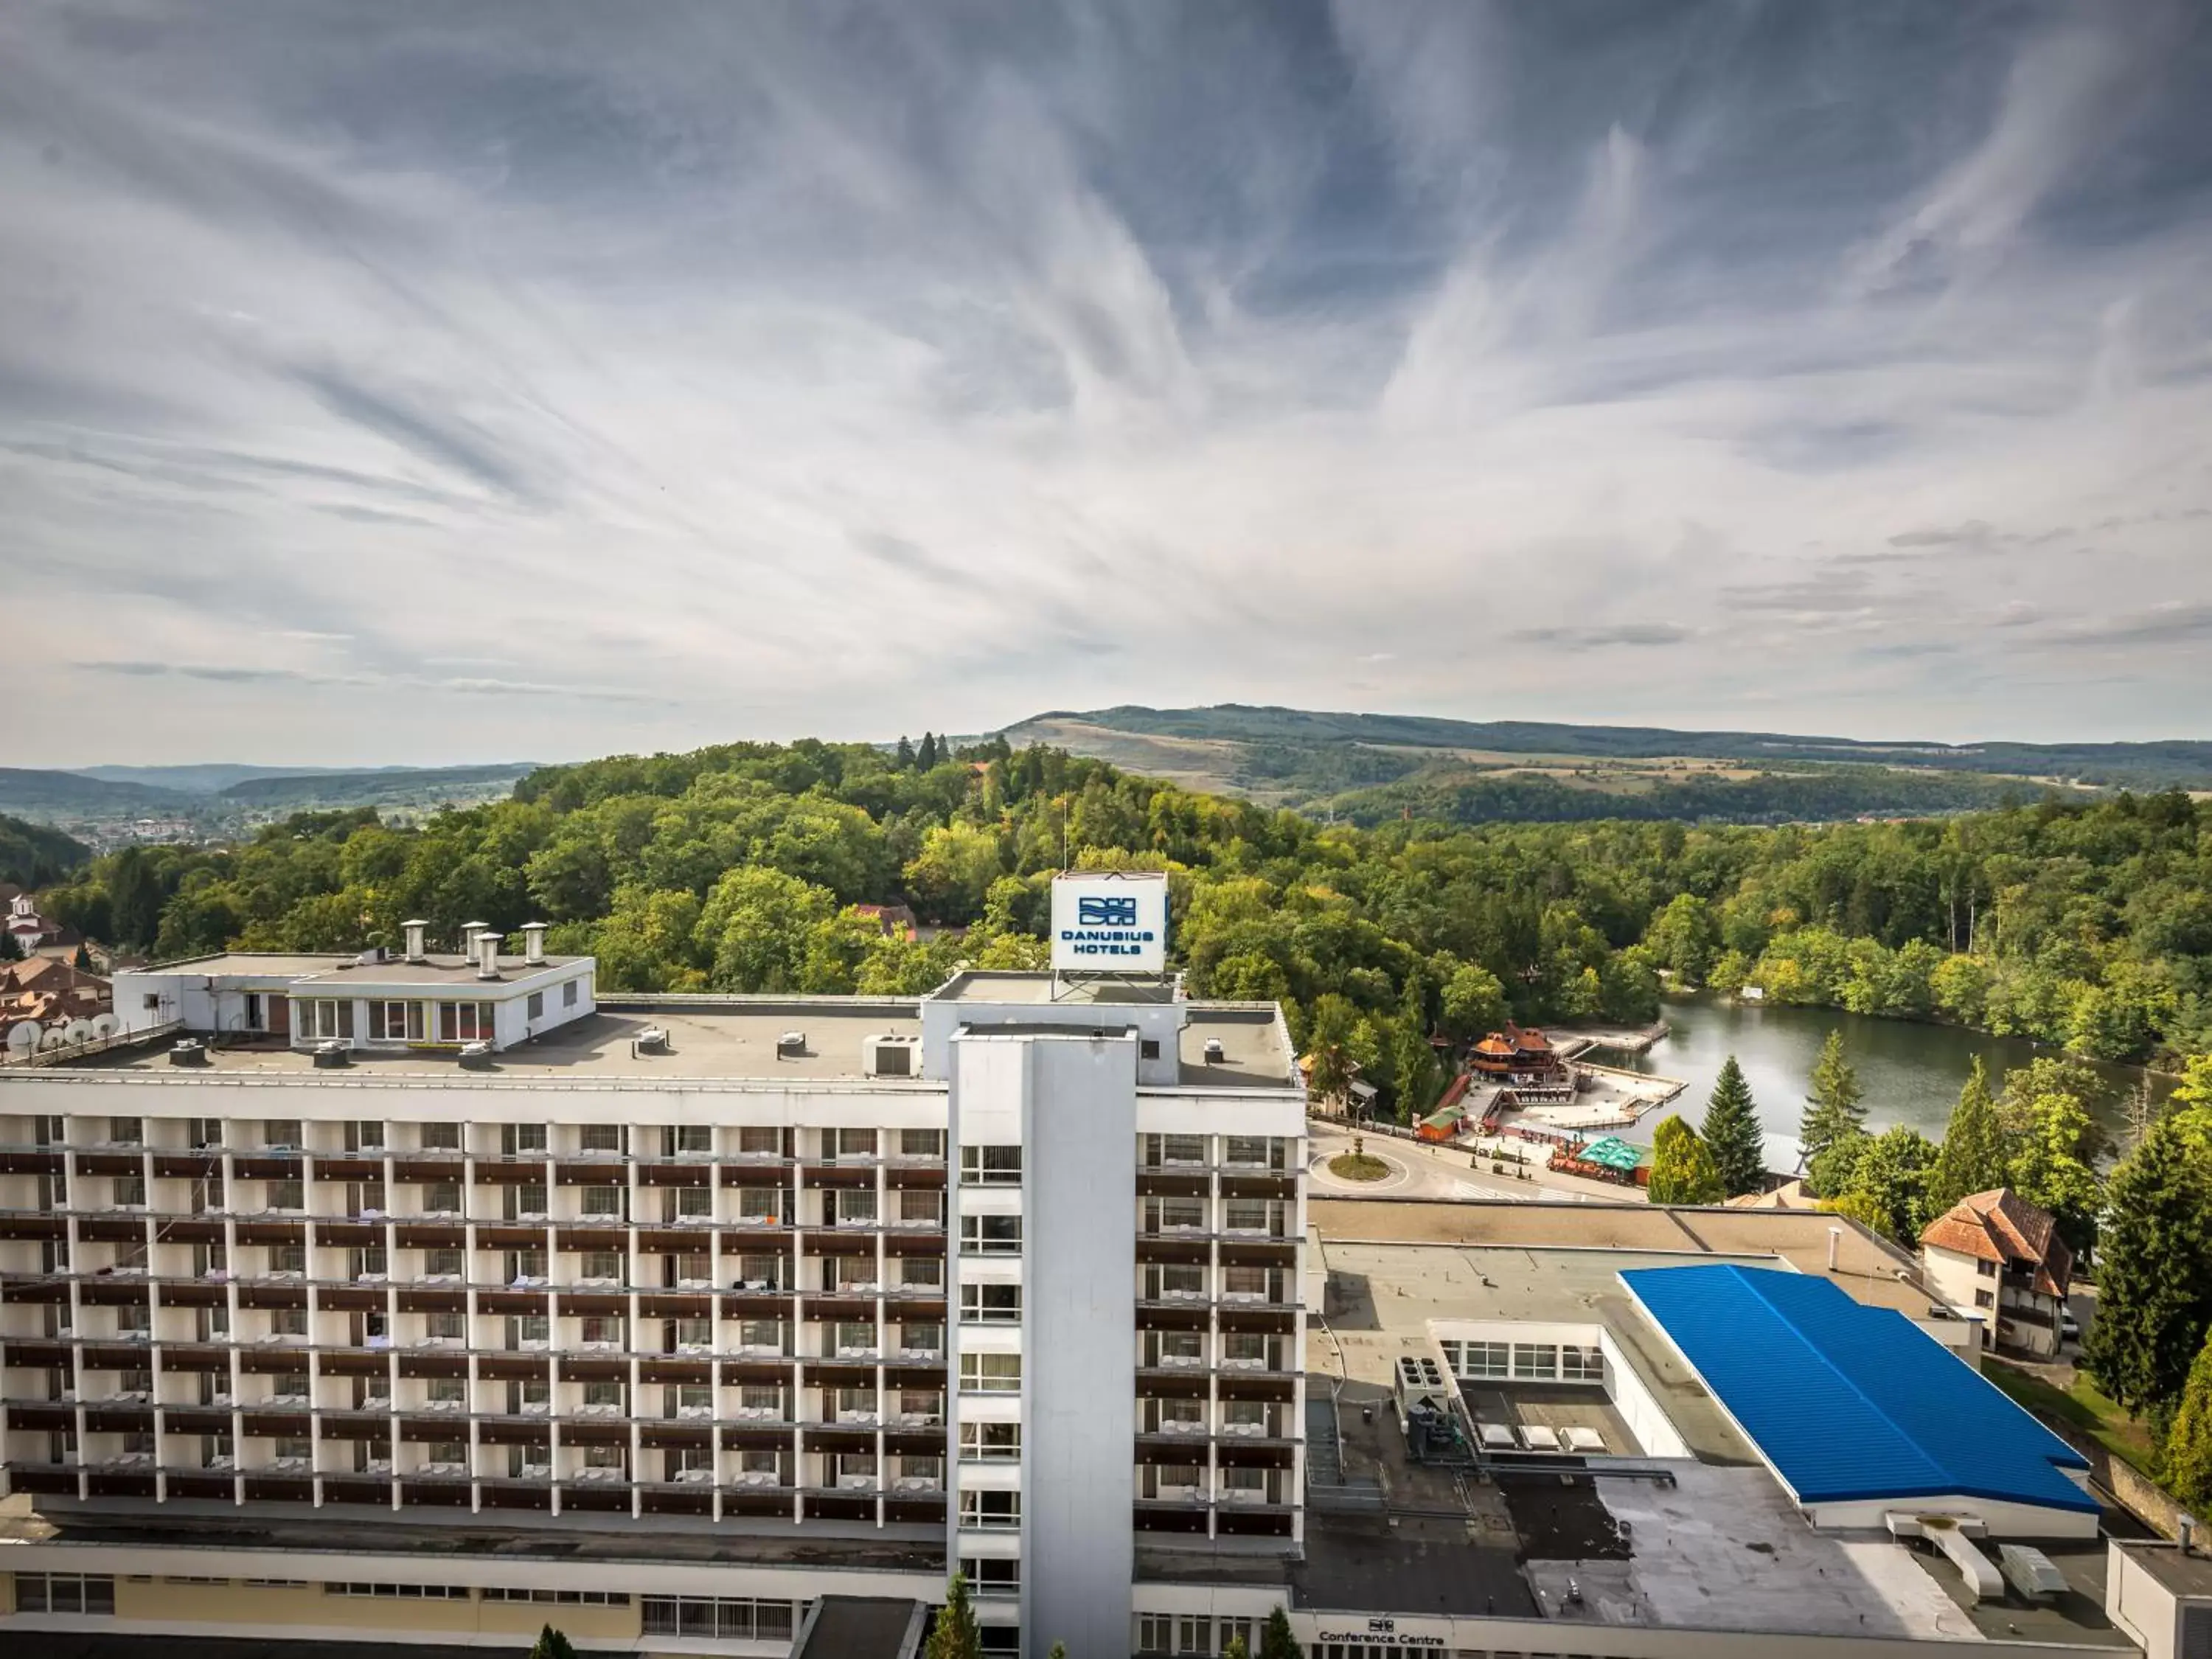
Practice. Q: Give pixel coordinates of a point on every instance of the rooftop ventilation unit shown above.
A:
(415, 930)
(329, 1055)
(486, 954)
(651, 1040)
(1214, 1051)
(534, 943)
(190, 1052)
(477, 1056)
(792, 1045)
(889, 1056)
(1421, 1381)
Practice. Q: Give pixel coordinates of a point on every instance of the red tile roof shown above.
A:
(2000, 1226)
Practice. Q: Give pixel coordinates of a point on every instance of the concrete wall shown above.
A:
(2004, 1521)
(1638, 1407)
(1078, 1386)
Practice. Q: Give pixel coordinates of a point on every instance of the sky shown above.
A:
(443, 382)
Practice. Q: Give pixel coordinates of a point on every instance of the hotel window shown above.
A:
(536, 1008)
(441, 1198)
(522, 1140)
(1249, 1283)
(1479, 1359)
(1248, 1151)
(689, 1400)
(989, 1166)
(692, 1335)
(757, 1400)
(523, 1265)
(447, 1327)
(365, 1136)
(523, 1198)
(396, 1022)
(1986, 1269)
(1249, 1215)
(1175, 1348)
(604, 1397)
(137, 1319)
(452, 1454)
(440, 1137)
(922, 1272)
(990, 1442)
(603, 1200)
(284, 1322)
(993, 1574)
(64, 1592)
(1539, 1361)
(1174, 1215)
(601, 1265)
(130, 1191)
(760, 1335)
(994, 1510)
(760, 1273)
(1183, 1149)
(991, 1235)
(464, 1022)
(605, 1457)
(442, 1264)
(991, 1305)
(990, 1373)
(126, 1130)
(697, 1203)
(291, 1258)
(568, 995)
(756, 1140)
(683, 1139)
(1244, 1416)
(281, 1134)
(760, 1203)
(917, 1206)
(528, 1331)
(602, 1330)
(320, 1019)
(599, 1137)
(287, 1195)
(921, 1143)
(1582, 1364)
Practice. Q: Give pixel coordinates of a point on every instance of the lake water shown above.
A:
(1910, 1074)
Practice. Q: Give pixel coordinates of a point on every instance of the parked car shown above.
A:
(2069, 1328)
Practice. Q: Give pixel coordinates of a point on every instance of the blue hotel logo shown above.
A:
(1107, 926)
(1106, 913)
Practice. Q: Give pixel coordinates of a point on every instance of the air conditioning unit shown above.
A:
(792, 1045)
(1214, 1052)
(891, 1056)
(651, 1040)
(332, 1054)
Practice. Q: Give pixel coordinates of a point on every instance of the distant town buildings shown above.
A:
(33, 934)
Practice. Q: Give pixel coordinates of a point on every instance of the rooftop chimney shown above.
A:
(469, 932)
(487, 944)
(534, 943)
(415, 952)
(1835, 1242)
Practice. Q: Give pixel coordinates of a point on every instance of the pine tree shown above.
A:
(1732, 1132)
(2188, 1464)
(904, 758)
(1682, 1170)
(955, 1635)
(925, 756)
(2154, 1272)
(1976, 1156)
(1276, 1642)
(1832, 1112)
(552, 1644)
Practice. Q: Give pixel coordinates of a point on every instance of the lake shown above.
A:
(1911, 1074)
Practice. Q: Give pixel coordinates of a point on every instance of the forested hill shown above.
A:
(32, 855)
(736, 868)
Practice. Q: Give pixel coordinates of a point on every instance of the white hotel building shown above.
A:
(430, 1297)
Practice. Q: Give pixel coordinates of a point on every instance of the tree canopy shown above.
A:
(1974, 1156)
(2154, 1272)
(1832, 1111)
(1732, 1131)
(1682, 1168)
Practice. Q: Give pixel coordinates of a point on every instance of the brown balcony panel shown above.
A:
(342, 1166)
(826, 1373)
(665, 1436)
(23, 1162)
(919, 1177)
(1254, 1521)
(671, 1240)
(110, 1164)
(514, 1431)
(273, 1233)
(1164, 1183)
(110, 1420)
(675, 1174)
(697, 1371)
(593, 1304)
(196, 1419)
(110, 1293)
(1272, 1321)
(764, 1373)
(1165, 1383)
(914, 1442)
(433, 1364)
(275, 1424)
(355, 1489)
(356, 1361)
(840, 1506)
(1183, 1249)
(510, 1236)
(417, 1170)
(757, 1304)
(824, 1439)
(518, 1495)
(432, 1301)
(100, 1485)
(576, 1369)
(42, 1417)
(432, 1235)
(504, 1367)
(756, 1241)
(112, 1356)
(763, 1439)
(279, 1489)
(512, 1301)
(257, 1361)
(499, 1173)
(215, 1486)
(1170, 1517)
(260, 1295)
(111, 1229)
(1173, 1316)
(1259, 1253)
(48, 1482)
(1232, 1453)
(905, 1304)
(906, 1373)
(663, 1501)
(431, 1428)
(376, 1427)
(434, 1494)
(676, 1304)
(758, 1500)
(593, 1175)
(350, 1235)
(598, 1499)
(584, 1237)
(837, 1175)
(190, 1294)
(758, 1172)
(284, 1167)
(1254, 1184)
(350, 1298)
(824, 1305)
(840, 1242)
(194, 1356)
(170, 1166)
(901, 1242)
(33, 1226)
(915, 1508)
(201, 1231)
(1259, 1385)
(34, 1292)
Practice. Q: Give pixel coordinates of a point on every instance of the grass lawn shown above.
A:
(1357, 1166)
(2083, 1407)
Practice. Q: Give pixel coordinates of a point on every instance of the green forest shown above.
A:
(31, 854)
(2086, 925)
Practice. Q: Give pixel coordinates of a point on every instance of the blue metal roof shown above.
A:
(1849, 1402)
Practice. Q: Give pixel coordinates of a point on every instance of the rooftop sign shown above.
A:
(1108, 922)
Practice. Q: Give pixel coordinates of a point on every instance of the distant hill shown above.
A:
(38, 794)
(31, 854)
(387, 786)
(204, 780)
(1370, 767)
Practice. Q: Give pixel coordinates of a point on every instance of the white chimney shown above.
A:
(469, 932)
(534, 943)
(487, 947)
(415, 952)
(1835, 1243)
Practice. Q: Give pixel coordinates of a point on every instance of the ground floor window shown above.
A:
(396, 1022)
(721, 1619)
(1582, 1364)
(64, 1592)
(1477, 1358)
(464, 1022)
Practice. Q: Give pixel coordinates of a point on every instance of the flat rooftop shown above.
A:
(1867, 1267)
(987, 985)
(2189, 1574)
(334, 969)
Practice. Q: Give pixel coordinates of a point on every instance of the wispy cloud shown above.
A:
(402, 385)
